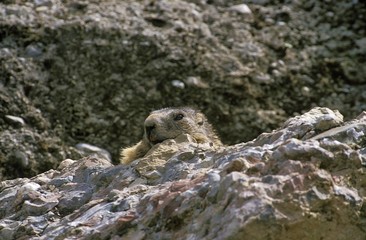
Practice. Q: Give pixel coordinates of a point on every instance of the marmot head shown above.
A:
(168, 123)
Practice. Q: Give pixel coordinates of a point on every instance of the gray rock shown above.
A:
(241, 8)
(90, 71)
(34, 51)
(88, 149)
(57, 182)
(42, 3)
(74, 196)
(226, 193)
(178, 84)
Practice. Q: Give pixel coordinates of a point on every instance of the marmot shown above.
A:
(168, 123)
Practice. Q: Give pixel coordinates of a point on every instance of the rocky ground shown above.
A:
(90, 71)
(79, 77)
(306, 180)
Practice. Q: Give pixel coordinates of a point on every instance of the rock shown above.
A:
(74, 196)
(33, 51)
(90, 72)
(24, 152)
(196, 82)
(178, 84)
(42, 3)
(264, 79)
(16, 121)
(65, 163)
(87, 149)
(225, 193)
(241, 8)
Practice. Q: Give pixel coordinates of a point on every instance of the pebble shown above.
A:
(263, 78)
(241, 8)
(65, 163)
(33, 51)
(196, 82)
(57, 182)
(349, 194)
(88, 149)
(178, 84)
(42, 9)
(30, 186)
(16, 121)
(213, 177)
(42, 3)
(305, 91)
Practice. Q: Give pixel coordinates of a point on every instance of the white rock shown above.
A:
(241, 8)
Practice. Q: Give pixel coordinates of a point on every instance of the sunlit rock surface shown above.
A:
(305, 180)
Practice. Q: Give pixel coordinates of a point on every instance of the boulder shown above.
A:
(304, 180)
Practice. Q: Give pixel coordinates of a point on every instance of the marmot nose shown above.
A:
(149, 129)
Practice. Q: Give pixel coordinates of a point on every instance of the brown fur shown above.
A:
(168, 123)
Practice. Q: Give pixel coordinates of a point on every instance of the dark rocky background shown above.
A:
(90, 71)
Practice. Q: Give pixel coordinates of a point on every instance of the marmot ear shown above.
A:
(200, 118)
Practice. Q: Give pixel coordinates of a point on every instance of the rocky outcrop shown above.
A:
(89, 72)
(305, 180)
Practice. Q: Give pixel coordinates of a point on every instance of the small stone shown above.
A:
(41, 8)
(88, 149)
(39, 207)
(348, 193)
(281, 23)
(330, 14)
(153, 175)
(276, 73)
(57, 182)
(42, 3)
(263, 78)
(65, 163)
(33, 51)
(16, 121)
(178, 84)
(241, 8)
(287, 45)
(213, 177)
(305, 91)
(31, 186)
(196, 82)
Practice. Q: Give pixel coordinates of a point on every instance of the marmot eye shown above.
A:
(178, 117)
